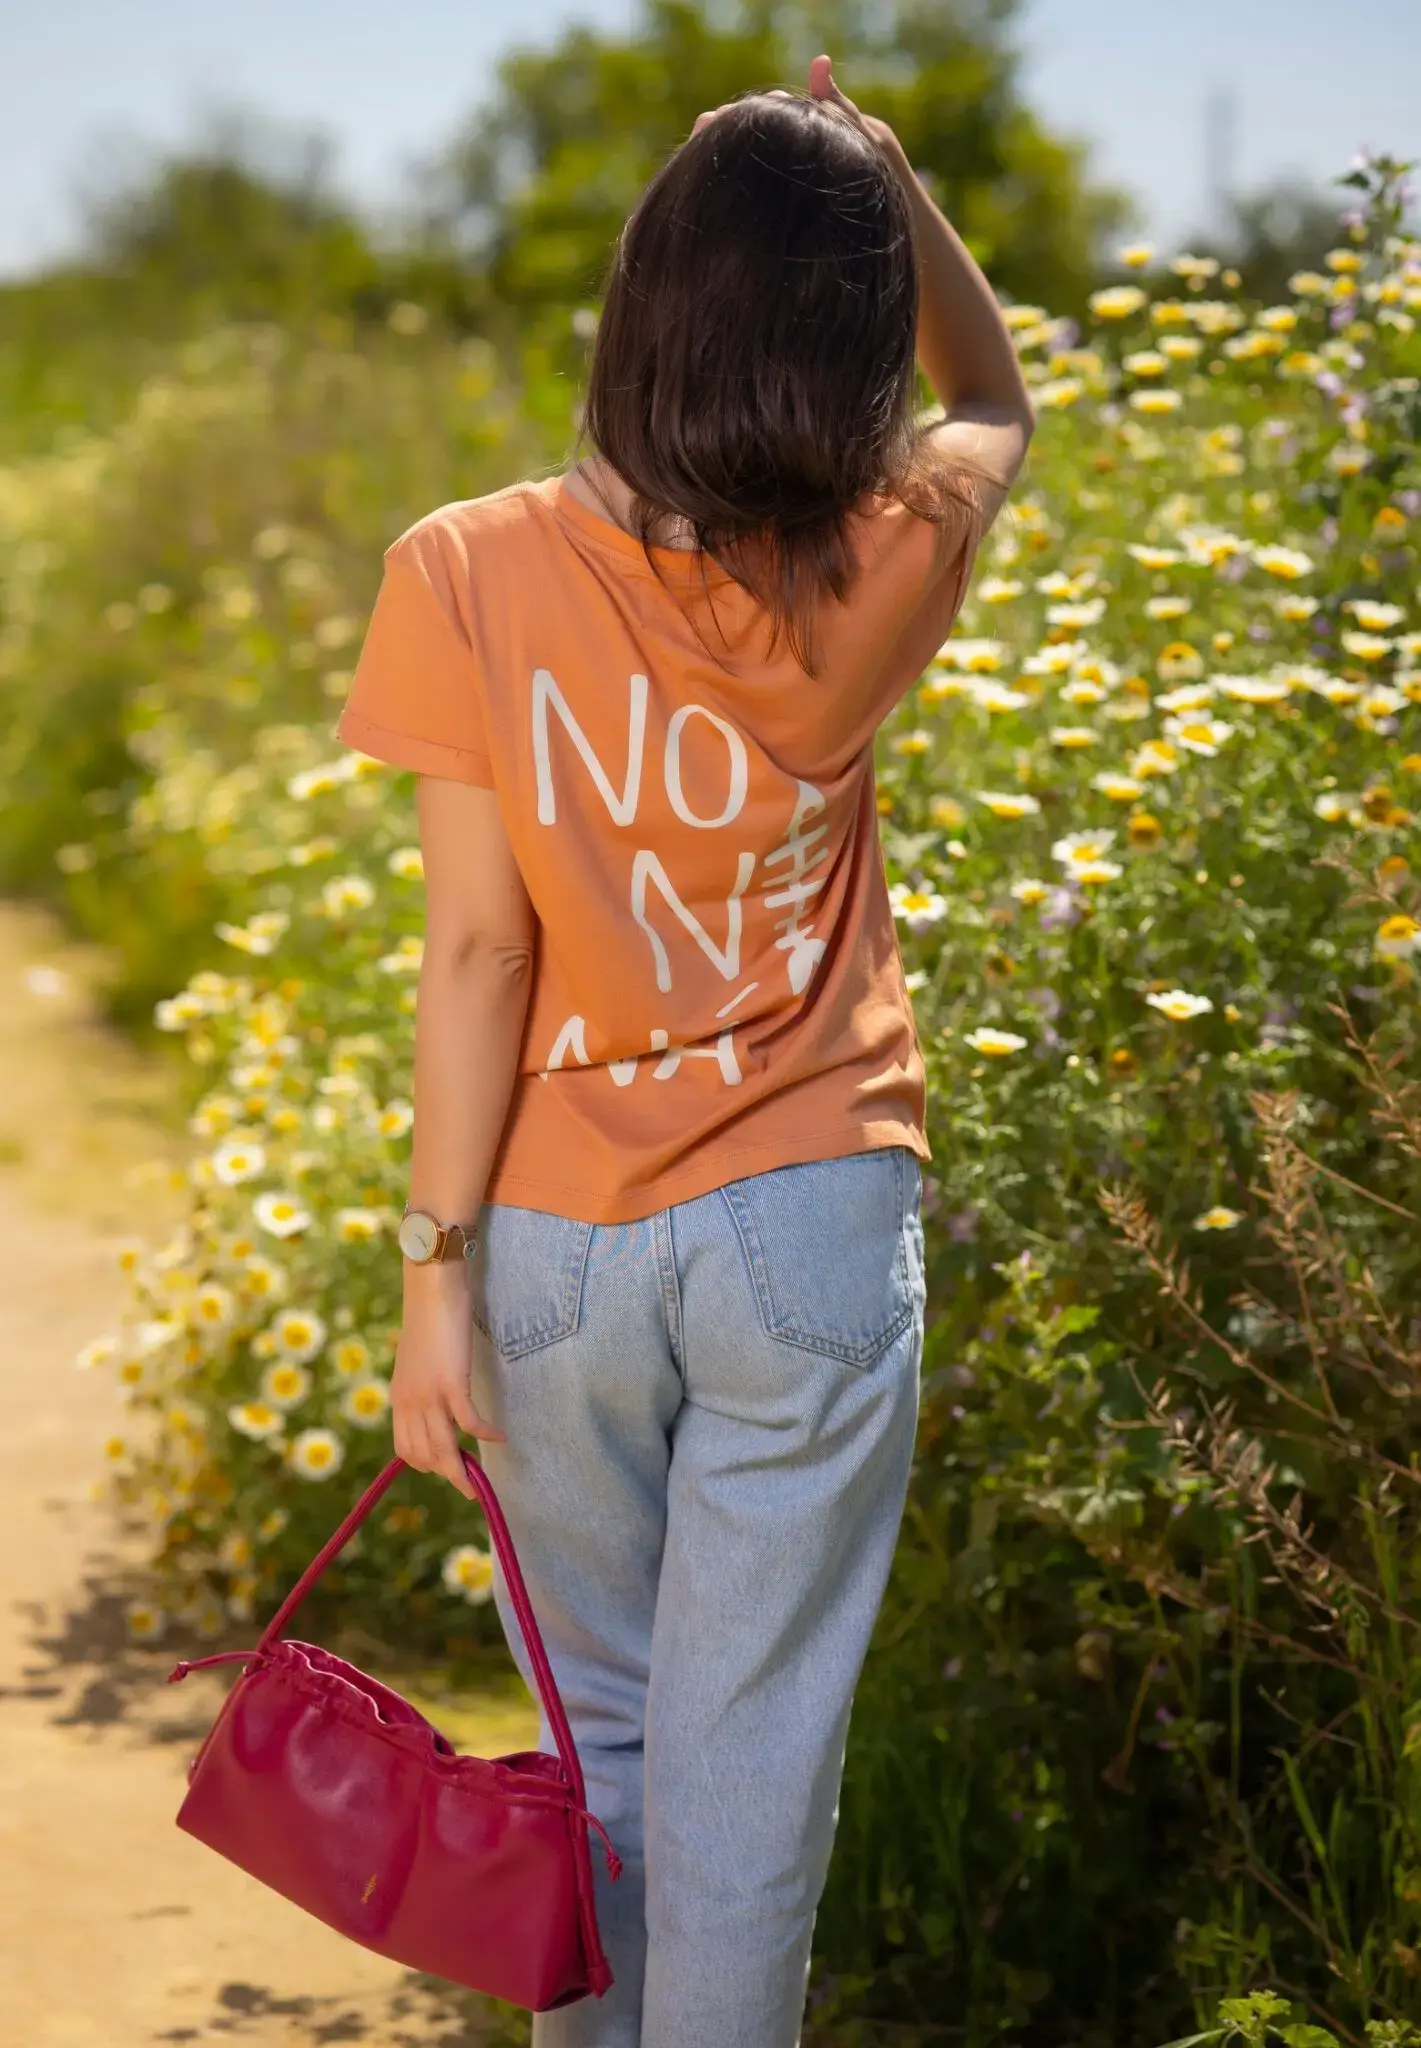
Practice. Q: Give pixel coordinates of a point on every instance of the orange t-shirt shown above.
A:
(717, 986)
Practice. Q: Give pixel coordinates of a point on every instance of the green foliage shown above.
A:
(544, 178)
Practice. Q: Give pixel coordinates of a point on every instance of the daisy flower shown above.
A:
(917, 908)
(281, 1214)
(1008, 804)
(1179, 1005)
(469, 1570)
(316, 1454)
(994, 1044)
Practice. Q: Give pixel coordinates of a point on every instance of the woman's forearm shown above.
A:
(469, 1021)
(963, 344)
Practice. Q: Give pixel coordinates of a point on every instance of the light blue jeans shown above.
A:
(710, 1416)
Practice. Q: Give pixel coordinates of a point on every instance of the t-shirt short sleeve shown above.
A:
(414, 698)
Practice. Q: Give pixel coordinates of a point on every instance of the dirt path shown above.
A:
(116, 1929)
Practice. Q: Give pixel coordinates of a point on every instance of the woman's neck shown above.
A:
(596, 484)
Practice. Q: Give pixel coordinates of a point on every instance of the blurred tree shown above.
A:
(241, 227)
(538, 185)
(1273, 233)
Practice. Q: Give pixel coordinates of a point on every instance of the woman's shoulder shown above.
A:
(510, 512)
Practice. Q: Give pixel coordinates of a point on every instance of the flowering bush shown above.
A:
(1149, 821)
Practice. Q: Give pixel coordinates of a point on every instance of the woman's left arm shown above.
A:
(474, 983)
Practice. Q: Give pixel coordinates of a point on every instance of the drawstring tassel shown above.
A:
(614, 1861)
(222, 1657)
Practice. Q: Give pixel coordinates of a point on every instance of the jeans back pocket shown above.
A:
(526, 1276)
(834, 1250)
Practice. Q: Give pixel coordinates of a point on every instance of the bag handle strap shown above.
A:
(522, 1606)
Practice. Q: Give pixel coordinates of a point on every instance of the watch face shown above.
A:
(417, 1235)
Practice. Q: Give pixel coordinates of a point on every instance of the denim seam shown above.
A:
(664, 1238)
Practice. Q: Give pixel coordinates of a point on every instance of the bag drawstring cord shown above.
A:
(222, 1657)
(614, 1861)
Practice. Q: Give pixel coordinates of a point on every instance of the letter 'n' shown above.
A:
(622, 809)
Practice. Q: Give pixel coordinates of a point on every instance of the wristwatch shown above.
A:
(425, 1241)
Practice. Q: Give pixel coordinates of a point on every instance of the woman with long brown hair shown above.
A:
(667, 1080)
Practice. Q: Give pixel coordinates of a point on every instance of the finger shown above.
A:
(445, 1448)
(821, 82)
(462, 1408)
(416, 1452)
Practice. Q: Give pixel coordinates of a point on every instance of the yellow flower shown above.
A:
(146, 1620)
(1146, 362)
(238, 1159)
(1121, 789)
(1374, 618)
(395, 1119)
(1218, 1218)
(1166, 607)
(1366, 646)
(1117, 302)
(1286, 562)
(1278, 319)
(98, 1351)
(349, 1357)
(1074, 736)
(1082, 846)
(1136, 256)
(286, 1385)
(255, 1419)
(469, 1570)
(1398, 937)
(997, 590)
(299, 1333)
(281, 1214)
(366, 1404)
(1090, 873)
(1144, 828)
(1345, 261)
(1156, 401)
(1030, 890)
(994, 1044)
(1005, 804)
(1169, 313)
(1389, 524)
(1178, 1005)
(358, 1226)
(1181, 348)
(316, 1454)
(1083, 692)
(1122, 1061)
(213, 1306)
(1155, 757)
(1308, 284)
(1300, 362)
(947, 812)
(1059, 393)
(1200, 735)
(1179, 662)
(912, 742)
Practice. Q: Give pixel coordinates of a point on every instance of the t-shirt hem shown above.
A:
(834, 1142)
(405, 750)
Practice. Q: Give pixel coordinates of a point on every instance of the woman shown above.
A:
(666, 1073)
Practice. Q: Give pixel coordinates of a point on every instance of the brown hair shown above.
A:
(754, 365)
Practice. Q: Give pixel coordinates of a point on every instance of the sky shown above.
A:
(1297, 86)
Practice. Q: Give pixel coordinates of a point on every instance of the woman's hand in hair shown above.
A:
(822, 87)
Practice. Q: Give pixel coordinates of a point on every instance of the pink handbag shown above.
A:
(327, 1786)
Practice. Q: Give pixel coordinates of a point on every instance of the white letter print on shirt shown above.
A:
(623, 808)
(804, 952)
